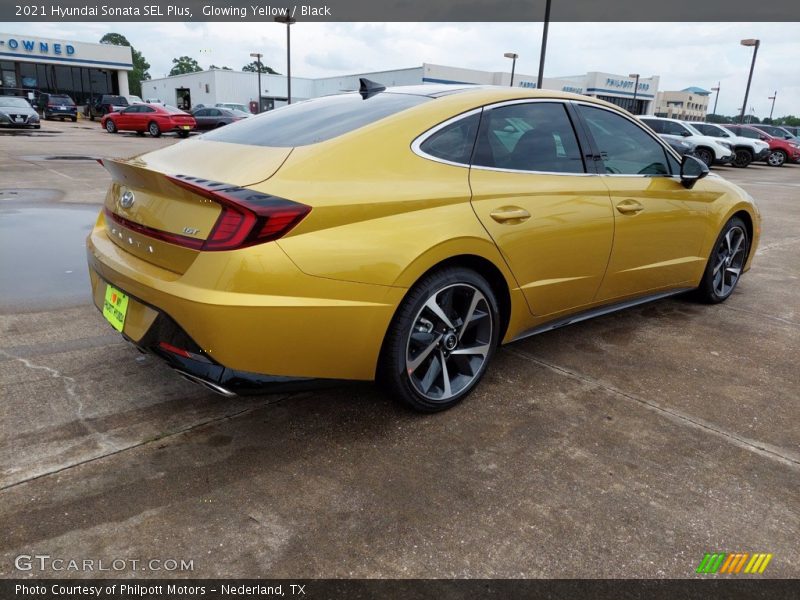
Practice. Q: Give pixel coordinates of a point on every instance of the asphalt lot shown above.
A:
(626, 446)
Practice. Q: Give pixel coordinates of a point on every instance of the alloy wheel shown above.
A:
(706, 156)
(449, 342)
(729, 261)
(776, 159)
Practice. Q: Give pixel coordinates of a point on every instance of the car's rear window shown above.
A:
(118, 100)
(62, 99)
(314, 120)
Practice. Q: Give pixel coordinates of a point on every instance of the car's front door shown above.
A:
(659, 224)
(201, 117)
(548, 213)
(126, 118)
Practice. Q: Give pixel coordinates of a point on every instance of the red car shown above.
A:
(780, 151)
(152, 118)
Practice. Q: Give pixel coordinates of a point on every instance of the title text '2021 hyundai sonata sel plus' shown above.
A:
(402, 234)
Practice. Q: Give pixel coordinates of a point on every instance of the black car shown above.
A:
(17, 112)
(107, 103)
(211, 117)
(677, 143)
(57, 106)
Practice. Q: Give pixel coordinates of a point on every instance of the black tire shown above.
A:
(153, 129)
(727, 244)
(74, 119)
(91, 116)
(706, 155)
(220, 125)
(111, 126)
(777, 158)
(421, 348)
(742, 158)
(183, 134)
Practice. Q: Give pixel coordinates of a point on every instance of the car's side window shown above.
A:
(203, 112)
(214, 112)
(146, 109)
(625, 148)
(453, 142)
(655, 125)
(535, 136)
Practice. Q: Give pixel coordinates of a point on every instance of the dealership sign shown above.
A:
(42, 48)
(626, 84)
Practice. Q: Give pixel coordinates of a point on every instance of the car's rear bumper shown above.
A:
(262, 315)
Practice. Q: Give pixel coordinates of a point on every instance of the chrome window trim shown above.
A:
(422, 138)
(636, 122)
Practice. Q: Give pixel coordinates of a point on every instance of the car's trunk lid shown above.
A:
(154, 218)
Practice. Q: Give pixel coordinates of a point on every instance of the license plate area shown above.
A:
(115, 307)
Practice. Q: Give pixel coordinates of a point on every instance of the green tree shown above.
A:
(141, 67)
(184, 64)
(223, 68)
(253, 68)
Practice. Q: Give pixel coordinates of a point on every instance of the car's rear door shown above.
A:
(659, 224)
(543, 204)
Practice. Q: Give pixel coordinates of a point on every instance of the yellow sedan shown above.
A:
(402, 234)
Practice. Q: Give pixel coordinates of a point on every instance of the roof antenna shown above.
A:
(369, 88)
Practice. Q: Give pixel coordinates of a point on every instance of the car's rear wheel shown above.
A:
(441, 340)
(742, 158)
(726, 262)
(110, 126)
(706, 155)
(777, 158)
(74, 119)
(154, 129)
(183, 134)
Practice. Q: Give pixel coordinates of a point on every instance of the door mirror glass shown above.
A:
(692, 170)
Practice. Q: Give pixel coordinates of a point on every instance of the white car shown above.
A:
(133, 99)
(747, 150)
(154, 101)
(233, 106)
(708, 149)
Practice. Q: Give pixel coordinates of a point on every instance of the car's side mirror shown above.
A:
(692, 170)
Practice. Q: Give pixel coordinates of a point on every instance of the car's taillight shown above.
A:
(248, 217)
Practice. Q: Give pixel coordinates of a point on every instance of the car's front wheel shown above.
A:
(110, 126)
(154, 129)
(776, 158)
(441, 339)
(706, 155)
(726, 262)
(742, 158)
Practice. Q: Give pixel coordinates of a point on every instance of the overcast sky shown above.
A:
(683, 54)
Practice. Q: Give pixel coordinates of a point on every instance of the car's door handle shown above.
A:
(629, 206)
(510, 214)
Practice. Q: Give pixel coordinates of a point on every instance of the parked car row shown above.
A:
(738, 145)
(154, 119)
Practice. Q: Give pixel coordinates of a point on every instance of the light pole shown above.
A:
(755, 44)
(773, 104)
(258, 56)
(635, 90)
(716, 96)
(544, 45)
(513, 56)
(289, 22)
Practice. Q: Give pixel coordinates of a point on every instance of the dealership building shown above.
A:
(217, 85)
(30, 65)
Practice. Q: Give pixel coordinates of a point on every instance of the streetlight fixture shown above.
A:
(755, 44)
(289, 22)
(773, 97)
(635, 90)
(513, 56)
(716, 96)
(258, 56)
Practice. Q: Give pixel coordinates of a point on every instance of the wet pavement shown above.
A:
(625, 446)
(43, 254)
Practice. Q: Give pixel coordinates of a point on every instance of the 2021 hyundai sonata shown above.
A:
(403, 234)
